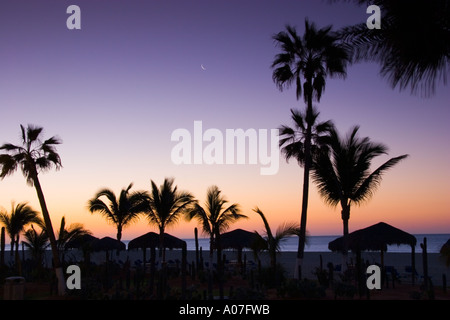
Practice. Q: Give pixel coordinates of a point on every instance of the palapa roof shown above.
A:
(151, 240)
(238, 239)
(83, 241)
(107, 243)
(376, 237)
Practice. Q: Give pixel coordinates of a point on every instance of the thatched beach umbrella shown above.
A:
(151, 240)
(84, 243)
(81, 242)
(238, 239)
(445, 252)
(107, 243)
(375, 238)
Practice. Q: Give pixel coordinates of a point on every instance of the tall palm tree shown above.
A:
(412, 45)
(293, 145)
(342, 170)
(274, 241)
(120, 211)
(165, 205)
(215, 218)
(306, 62)
(15, 222)
(34, 156)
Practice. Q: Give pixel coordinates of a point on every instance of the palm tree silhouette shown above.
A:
(36, 242)
(34, 156)
(306, 62)
(292, 144)
(342, 172)
(67, 234)
(120, 211)
(292, 139)
(412, 45)
(165, 205)
(215, 218)
(15, 222)
(274, 241)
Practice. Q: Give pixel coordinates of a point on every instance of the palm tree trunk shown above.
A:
(307, 166)
(345, 214)
(161, 245)
(2, 248)
(51, 235)
(11, 252)
(17, 257)
(119, 232)
(211, 252)
(210, 267)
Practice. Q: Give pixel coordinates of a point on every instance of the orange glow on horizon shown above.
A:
(400, 200)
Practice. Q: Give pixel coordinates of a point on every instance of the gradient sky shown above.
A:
(115, 90)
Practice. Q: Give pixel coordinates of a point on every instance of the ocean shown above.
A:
(320, 243)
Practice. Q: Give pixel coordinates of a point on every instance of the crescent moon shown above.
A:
(203, 68)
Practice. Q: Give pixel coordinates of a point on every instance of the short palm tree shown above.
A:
(15, 222)
(412, 45)
(37, 243)
(120, 211)
(342, 170)
(306, 62)
(215, 218)
(274, 241)
(65, 235)
(165, 205)
(34, 156)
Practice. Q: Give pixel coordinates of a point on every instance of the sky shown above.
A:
(115, 90)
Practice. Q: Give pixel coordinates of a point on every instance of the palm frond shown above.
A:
(369, 185)
(8, 164)
(167, 205)
(402, 62)
(266, 223)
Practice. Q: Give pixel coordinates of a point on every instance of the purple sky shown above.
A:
(115, 90)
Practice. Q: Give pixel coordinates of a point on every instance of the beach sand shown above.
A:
(312, 260)
(400, 261)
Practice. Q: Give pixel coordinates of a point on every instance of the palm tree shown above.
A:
(165, 205)
(292, 144)
(274, 242)
(21, 215)
(65, 235)
(33, 157)
(120, 211)
(215, 218)
(342, 170)
(307, 61)
(36, 242)
(412, 45)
